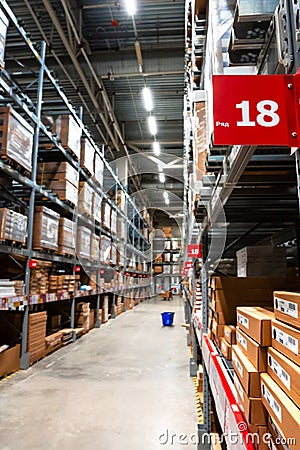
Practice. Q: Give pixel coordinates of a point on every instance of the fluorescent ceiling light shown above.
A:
(166, 195)
(147, 99)
(156, 148)
(130, 6)
(167, 201)
(152, 125)
(162, 178)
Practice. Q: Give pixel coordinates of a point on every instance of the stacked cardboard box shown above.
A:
(105, 309)
(45, 229)
(92, 319)
(53, 342)
(121, 200)
(106, 211)
(69, 133)
(95, 247)
(66, 237)
(9, 360)
(167, 232)
(85, 198)
(67, 336)
(98, 169)
(62, 283)
(226, 293)
(96, 207)
(128, 303)
(82, 316)
(105, 250)
(83, 246)
(13, 226)
(260, 261)
(113, 221)
(87, 156)
(62, 178)
(19, 287)
(36, 336)
(228, 341)
(15, 146)
(39, 280)
(249, 358)
(119, 306)
(280, 387)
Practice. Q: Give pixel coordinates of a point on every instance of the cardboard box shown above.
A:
(225, 348)
(256, 354)
(276, 435)
(256, 322)
(286, 340)
(229, 334)
(286, 307)
(10, 360)
(217, 329)
(285, 373)
(246, 372)
(252, 408)
(281, 408)
(87, 152)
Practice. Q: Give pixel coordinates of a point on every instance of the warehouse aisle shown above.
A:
(125, 386)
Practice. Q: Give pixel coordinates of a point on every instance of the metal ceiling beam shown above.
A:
(142, 74)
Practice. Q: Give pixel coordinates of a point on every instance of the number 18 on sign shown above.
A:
(255, 109)
(194, 251)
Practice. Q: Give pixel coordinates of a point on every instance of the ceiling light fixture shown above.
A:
(167, 201)
(152, 125)
(147, 99)
(156, 148)
(166, 195)
(131, 7)
(162, 178)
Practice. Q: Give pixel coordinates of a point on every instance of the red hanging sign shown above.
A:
(256, 110)
(194, 251)
(32, 264)
(188, 265)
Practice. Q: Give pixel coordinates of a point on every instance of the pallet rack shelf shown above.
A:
(34, 94)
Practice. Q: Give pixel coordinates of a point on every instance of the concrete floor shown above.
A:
(121, 387)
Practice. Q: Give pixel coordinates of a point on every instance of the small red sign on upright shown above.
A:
(194, 251)
(256, 110)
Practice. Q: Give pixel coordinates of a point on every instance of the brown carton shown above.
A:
(225, 348)
(10, 360)
(286, 307)
(281, 408)
(246, 372)
(256, 322)
(285, 373)
(286, 340)
(217, 329)
(229, 334)
(256, 354)
(252, 408)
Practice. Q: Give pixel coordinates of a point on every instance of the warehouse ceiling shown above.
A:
(103, 58)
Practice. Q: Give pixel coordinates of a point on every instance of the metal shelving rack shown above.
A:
(243, 166)
(172, 277)
(42, 94)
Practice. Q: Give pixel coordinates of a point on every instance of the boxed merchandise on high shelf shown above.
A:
(66, 237)
(83, 246)
(62, 178)
(45, 229)
(69, 133)
(96, 207)
(95, 247)
(113, 221)
(106, 212)
(98, 169)
(121, 200)
(15, 146)
(85, 198)
(105, 249)
(87, 156)
(261, 261)
(3, 31)
(13, 226)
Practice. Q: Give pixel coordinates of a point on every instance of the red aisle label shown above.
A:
(194, 251)
(255, 110)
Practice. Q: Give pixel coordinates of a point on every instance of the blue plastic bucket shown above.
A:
(167, 318)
